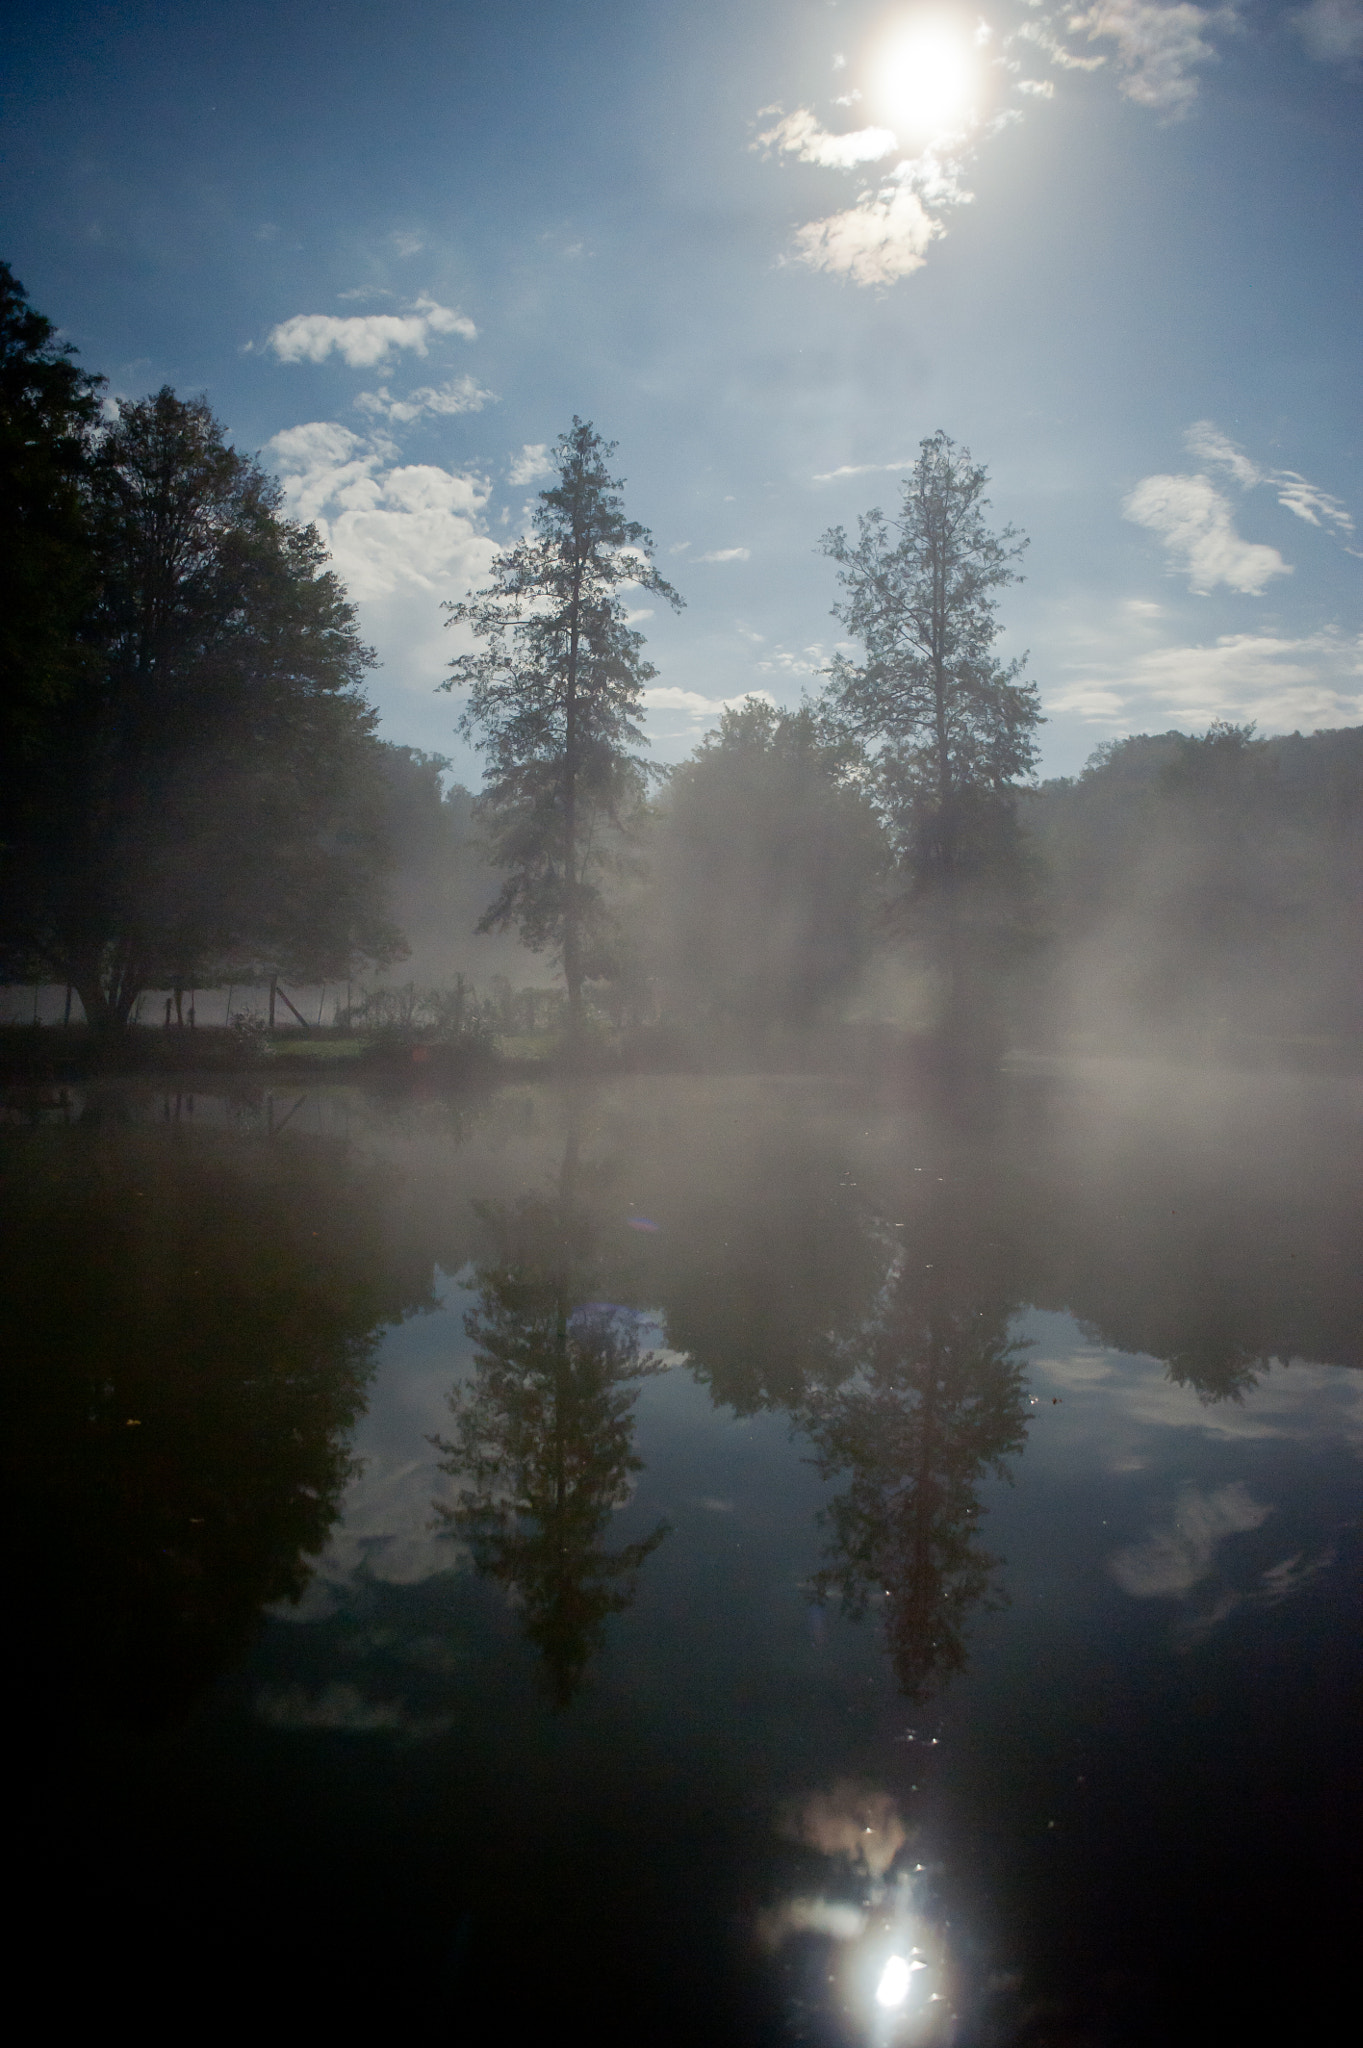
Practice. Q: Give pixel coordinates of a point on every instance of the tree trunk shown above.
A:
(572, 957)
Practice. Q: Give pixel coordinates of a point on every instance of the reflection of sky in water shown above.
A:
(385, 1530)
(1098, 1419)
(1176, 1572)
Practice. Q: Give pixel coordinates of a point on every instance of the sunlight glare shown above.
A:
(893, 1987)
(926, 79)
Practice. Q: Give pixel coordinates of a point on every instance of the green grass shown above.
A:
(306, 1048)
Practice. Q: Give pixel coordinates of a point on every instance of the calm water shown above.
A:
(705, 1560)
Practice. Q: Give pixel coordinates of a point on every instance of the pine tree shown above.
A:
(555, 696)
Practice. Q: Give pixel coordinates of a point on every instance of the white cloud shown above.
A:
(1196, 525)
(365, 339)
(887, 233)
(725, 555)
(1293, 491)
(1207, 443)
(1157, 47)
(668, 697)
(532, 464)
(809, 661)
(1283, 684)
(832, 476)
(1040, 88)
(1172, 1560)
(802, 136)
(1332, 30)
(390, 527)
(460, 394)
(885, 236)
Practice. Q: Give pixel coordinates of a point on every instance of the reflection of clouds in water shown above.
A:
(851, 1820)
(1182, 1555)
(1172, 1560)
(1111, 1392)
(386, 1528)
(342, 1709)
(833, 1917)
(386, 1531)
(1081, 1368)
(1280, 1582)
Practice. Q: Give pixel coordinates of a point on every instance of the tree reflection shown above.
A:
(935, 1401)
(193, 1317)
(543, 1435)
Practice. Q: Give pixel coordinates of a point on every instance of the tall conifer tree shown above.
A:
(555, 694)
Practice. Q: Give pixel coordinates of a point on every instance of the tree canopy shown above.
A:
(49, 407)
(206, 794)
(769, 859)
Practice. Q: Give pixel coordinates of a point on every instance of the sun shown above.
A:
(926, 79)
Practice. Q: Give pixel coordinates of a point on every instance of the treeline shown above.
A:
(192, 791)
(194, 795)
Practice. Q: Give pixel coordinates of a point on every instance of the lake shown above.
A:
(719, 1559)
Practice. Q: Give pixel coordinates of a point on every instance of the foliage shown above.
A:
(543, 1436)
(1205, 884)
(937, 1400)
(48, 411)
(555, 696)
(459, 1012)
(199, 1316)
(950, 728)
(207, 796)
(769, 860)
(769, 1263)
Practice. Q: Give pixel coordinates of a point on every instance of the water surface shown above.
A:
(744, 1559)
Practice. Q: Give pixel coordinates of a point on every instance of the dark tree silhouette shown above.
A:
(543, 1436)
(48, 410)
(936, 1401)
(208, 793)
(770, 1263)
(194, 1317)
(555, 695)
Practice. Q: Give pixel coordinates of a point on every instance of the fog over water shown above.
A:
(880, 1519)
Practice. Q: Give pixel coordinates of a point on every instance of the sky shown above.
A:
(766, 249)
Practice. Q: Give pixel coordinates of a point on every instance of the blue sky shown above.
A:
(1115, 251)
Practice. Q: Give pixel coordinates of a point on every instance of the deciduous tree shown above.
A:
(770, 857)
(48, 410)
(952, 727)
(207, 792)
